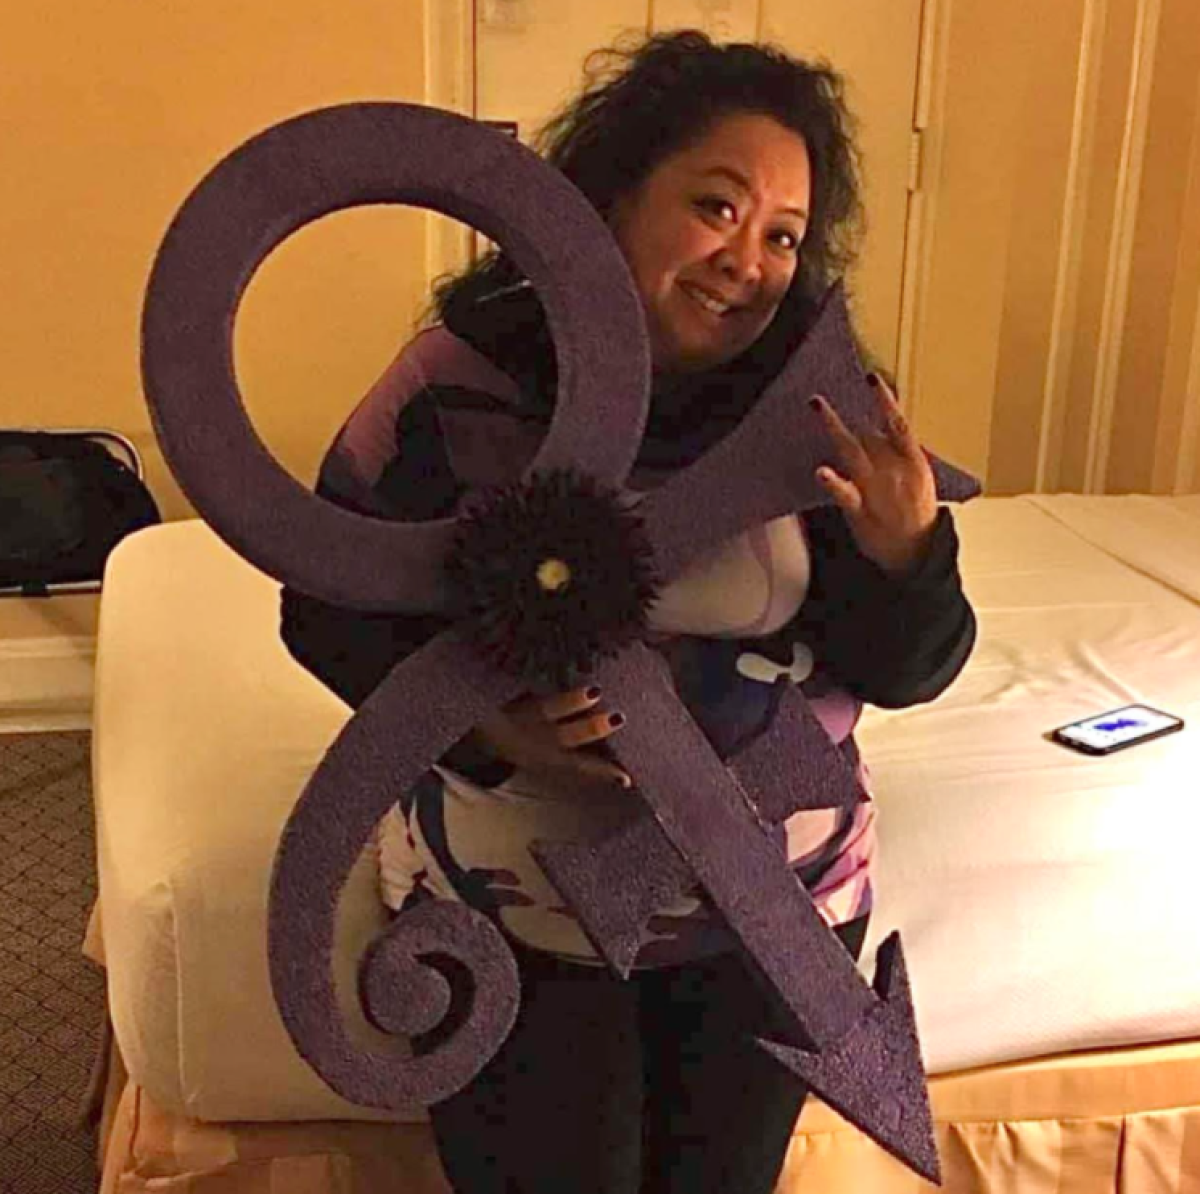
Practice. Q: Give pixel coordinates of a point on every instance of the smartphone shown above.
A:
(1117, 729)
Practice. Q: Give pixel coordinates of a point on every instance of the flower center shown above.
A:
(553, 575)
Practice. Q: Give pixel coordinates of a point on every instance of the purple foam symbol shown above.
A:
(615, 885)
(705, 821)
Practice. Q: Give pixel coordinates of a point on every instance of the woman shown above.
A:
(727, 177)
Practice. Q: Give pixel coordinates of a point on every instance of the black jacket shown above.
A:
(889, 640)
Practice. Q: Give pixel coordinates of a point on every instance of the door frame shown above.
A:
(450, 83)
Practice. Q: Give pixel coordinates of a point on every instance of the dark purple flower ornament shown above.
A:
(547, 581)
(550, 575)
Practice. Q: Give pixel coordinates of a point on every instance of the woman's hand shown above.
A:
(886, 488)
(549, 735)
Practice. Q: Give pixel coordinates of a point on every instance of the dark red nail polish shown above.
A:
(815, 402)
(616, 720)
(872, 379)
(593, 693)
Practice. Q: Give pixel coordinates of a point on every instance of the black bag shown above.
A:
(65, 502)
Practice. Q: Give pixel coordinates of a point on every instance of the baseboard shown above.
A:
(46, 683)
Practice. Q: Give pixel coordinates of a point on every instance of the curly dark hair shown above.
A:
(643, 102)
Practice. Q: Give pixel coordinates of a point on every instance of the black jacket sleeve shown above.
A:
(352, 651)
(891, 640)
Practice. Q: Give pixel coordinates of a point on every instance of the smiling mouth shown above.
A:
(709, 302)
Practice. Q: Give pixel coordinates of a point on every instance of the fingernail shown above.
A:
(872, 379)
(623, 781)
(616, 720)
(593, 693)
(815, 402)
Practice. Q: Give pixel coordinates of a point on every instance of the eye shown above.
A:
(718, 206)
(786, 239)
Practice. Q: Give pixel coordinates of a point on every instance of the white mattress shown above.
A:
(1047, 900)
(205, 732)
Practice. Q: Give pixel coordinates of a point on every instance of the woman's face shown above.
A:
(712, 236)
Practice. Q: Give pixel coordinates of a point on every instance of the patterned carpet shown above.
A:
(51, 998)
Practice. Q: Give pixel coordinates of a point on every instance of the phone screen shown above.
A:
(1117, 728)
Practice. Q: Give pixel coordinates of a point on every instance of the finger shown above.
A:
(899, 433)
(569, 767)
(853, 456)
(562, 705)
(583, 731)
(845, 493)
(601, 770)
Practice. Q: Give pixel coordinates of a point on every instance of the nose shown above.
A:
(740, 257)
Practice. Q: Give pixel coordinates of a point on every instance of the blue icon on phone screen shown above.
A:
(1122, 723)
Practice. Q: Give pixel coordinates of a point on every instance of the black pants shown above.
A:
(651, 1086)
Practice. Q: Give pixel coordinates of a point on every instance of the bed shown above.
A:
(1047, 899)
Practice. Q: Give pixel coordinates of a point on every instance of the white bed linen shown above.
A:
(1046, 899)
(205, 731)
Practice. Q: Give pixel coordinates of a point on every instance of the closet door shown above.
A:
(876, 46)
(1057, 337)
(529, 54)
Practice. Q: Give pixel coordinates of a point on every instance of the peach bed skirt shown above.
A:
(1111, 1122)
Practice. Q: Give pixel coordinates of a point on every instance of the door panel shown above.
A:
(529, 57)
(530, 53)
(875, 44)
(722, 20)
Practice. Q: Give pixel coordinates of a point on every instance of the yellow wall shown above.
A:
(1057, 336)
(1058, 340)
(112, 110)
(1156, 424)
